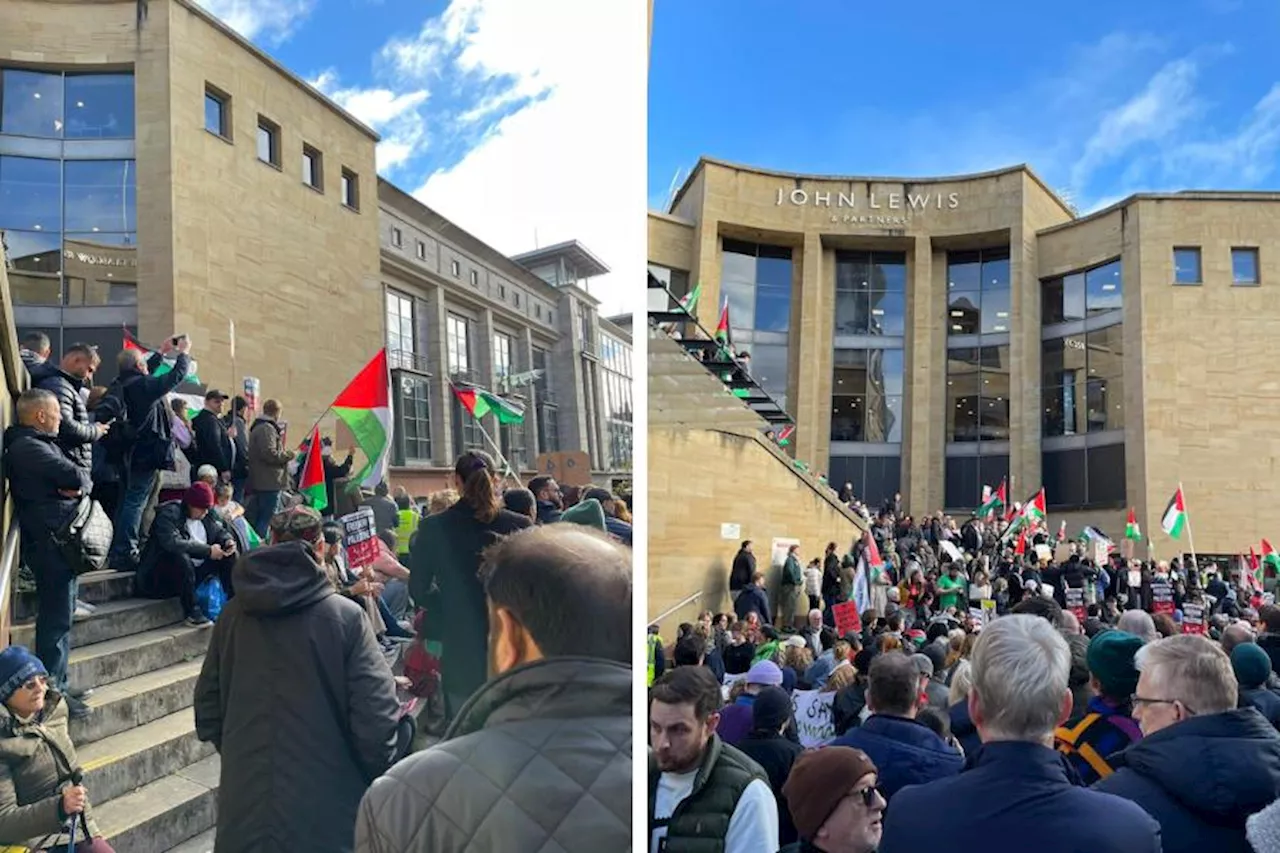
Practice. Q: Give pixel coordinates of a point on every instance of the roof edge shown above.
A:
(671, 217)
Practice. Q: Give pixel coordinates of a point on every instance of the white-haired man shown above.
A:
(1203, 766)
(1017, 795)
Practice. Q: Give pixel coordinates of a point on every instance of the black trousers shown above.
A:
(56, 603)
(191, 576)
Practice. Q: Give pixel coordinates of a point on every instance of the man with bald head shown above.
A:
(47, 485)
(1235, 634)
(543, 750)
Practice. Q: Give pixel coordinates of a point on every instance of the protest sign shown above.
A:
(847, 618)
(978, 616)
(815, 723)
(729, 681)
(1161, 596)
(1074, 596)
(1193, 618)
(988, 610)
(360, 538)
(778, 551)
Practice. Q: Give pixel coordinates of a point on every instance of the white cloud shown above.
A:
(397, 116)
(1237, 160)
(272, 19)
(567, 163)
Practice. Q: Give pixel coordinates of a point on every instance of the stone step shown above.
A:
(202, 843)
(110, 620)
(95, 588)
(159, 816)
(124, 657)
(121, 763)
(136, 701)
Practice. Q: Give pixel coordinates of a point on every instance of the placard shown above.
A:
(815, 723)
(1101, 553)
(252, 391)
(1161, 596)
(978, 616)
(730, 531)
(1074, 596)
(778, 551)
(988, 610)
(1043, 553)
(570, 468)
(360, 538)
(847, 618)
(727, 686)
(1193, 618)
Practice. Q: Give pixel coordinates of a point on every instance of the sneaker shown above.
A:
(76, 709)
(199, 620)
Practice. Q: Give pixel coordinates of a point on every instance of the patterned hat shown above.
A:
(17, 665)
(297, 522)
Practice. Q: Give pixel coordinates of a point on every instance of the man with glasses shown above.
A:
(1017, 794)
(834, 802)
(1203, 765)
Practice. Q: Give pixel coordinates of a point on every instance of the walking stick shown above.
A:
(76, 778)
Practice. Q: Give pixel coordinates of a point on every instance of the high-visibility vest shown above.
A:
(655, 642)
(408, 525)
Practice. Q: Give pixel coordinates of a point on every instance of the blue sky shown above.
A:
(1102, 100)
(487, 109)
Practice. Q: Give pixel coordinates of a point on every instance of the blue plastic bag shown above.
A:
(211, 597)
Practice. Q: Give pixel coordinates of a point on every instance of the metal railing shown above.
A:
(685, 603)
(8, 571)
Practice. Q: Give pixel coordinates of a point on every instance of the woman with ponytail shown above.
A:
(444, 564)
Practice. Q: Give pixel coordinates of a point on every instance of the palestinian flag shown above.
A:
(786, 434)
(1021, 547)
(689, 302)
(479, 403)
(311, 483)
(1034, 510)
(722, 328)
(1131, 530)
(1270, 559)
(365, 407)
(1175, 515)
(993, 501)
(166, 366)
(1062, 531)
(872, 552)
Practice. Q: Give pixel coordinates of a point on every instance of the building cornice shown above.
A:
(1233, 196)
(672, 218)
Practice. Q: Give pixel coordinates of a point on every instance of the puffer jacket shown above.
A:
(37, 758)
(268, 458)
(38, 469)
(77, 432)
(538, 760)
(905, 752)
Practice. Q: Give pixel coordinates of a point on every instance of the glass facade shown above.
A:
(870, 293)
(615, 375)
(978, 393)
(978, 292)
(547, 411)
(413, 408)
(1090, 477)
(874, 479)
(756, 281)
(866, 395)
(68, 215)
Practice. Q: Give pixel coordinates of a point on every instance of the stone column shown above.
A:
(810, 354)
(924, 383)
(431, 323)
(1024, 363)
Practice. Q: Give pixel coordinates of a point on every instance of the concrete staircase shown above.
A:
(153, 785)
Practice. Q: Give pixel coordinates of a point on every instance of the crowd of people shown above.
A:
(495, 615)
(944, 680)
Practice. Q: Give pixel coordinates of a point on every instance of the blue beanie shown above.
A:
(17, 664)
(1252, 665)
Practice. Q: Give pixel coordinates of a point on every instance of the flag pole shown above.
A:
(507, 470)
(1191, 539)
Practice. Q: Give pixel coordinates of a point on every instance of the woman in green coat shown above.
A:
(37, 760)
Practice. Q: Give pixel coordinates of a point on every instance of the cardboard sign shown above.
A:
(1193, 618)
(815, 723)
(252, 391)
(978, 616)
(360, 538)
(1075, 602)
(730, 531)
(778, 549)
(988, 610)
(1161, 596)
(570, 468)
(847, 618)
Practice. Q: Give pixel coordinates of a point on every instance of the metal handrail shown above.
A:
(671, 610)
(9, 557)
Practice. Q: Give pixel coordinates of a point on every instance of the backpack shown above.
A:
(120, 439)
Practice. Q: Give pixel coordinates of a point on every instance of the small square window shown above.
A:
(217, 112)
(268, 142)
(397, 237)
(422, 251)
(475, 279)
(1244, 266)
(350, 189)
(1186, 265)
(312, 168)
(455, 268)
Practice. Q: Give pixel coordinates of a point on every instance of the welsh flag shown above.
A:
(1270, 559)
(1131, 530)
(311, 484)
(993, 501)
(365, 407)
(479, 403)
(166, 366)
(1175, 515)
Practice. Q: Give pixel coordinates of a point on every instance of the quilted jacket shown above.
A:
(537, 761)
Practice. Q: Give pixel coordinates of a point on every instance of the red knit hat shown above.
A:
(199, 496)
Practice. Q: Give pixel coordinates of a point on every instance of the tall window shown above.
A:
(978, 292)
(268, 141)
(756, 281)
(615, 360)
(402, 338)
(1244, 266)
(584, 325)
(1082, 382)
(217, 113)
(350, 189)
(547, 412)
(312, 168)
(414, 410)
(458, 345)
(866, 395)
(502, 349)
(870, 293)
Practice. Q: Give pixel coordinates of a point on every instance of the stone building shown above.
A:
(932, 336)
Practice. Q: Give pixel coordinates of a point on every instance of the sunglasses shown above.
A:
(869, 795)
(34, 684)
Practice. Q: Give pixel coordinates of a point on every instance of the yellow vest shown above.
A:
(408, 525)
(655, 642)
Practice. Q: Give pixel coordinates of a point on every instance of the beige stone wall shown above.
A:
(295, 269)
(706, 478)
(671, 242)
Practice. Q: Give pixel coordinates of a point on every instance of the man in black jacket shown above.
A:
(46, 485)
(550, 501)
(385, 512)
(66, 381)
(238, 430)
(188, 543)
(151, 450)
(744, 568)
(296, 696)
(213, 445)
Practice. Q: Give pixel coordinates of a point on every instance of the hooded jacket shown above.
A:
(268, 458)
(300, 703)
(538, 759)
(1202, 778)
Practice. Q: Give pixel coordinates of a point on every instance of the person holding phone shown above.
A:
(188, 544)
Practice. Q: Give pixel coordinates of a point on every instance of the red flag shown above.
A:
(1021, 547)
(311, 484)
(873, 552)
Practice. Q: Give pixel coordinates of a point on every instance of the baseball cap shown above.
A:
(215, 394)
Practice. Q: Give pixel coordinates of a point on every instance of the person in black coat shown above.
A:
(333, 472)
(188, 543)
(444, 562)
(753, 599)
(1203, 765)
(768, 746)
(1253, 669)
(46, 486)
(238, 430)
(386, 515)
(744, 569)
(77, 432)
(213, 445)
